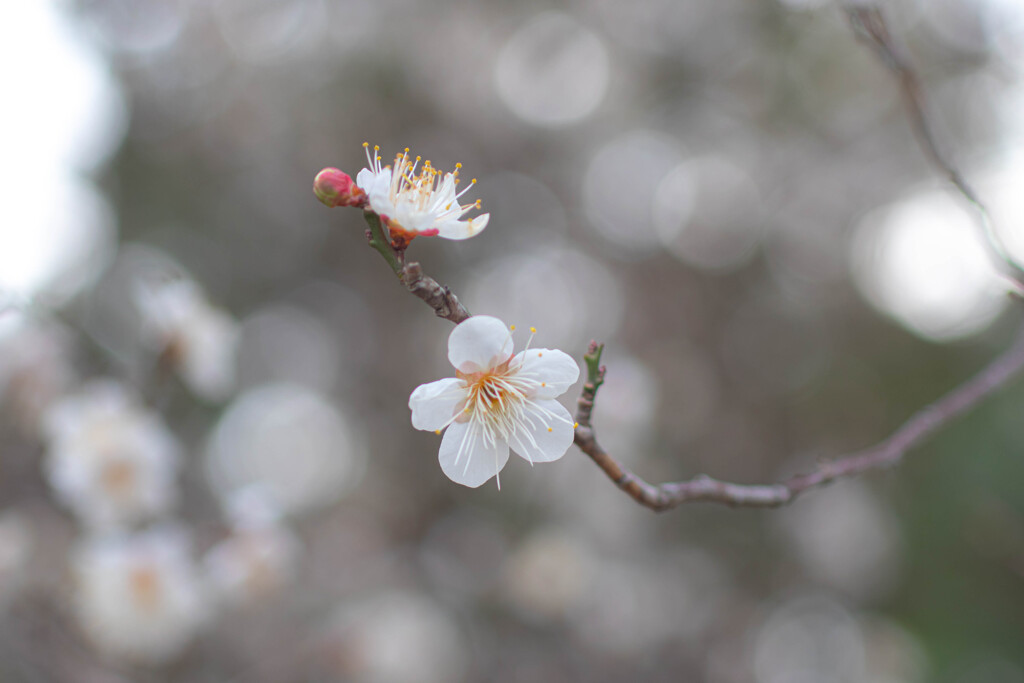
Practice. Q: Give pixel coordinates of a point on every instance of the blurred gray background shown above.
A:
(728, 194)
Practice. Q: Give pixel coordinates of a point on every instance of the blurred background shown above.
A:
(208, 471)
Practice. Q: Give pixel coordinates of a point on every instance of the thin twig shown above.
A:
(923, 423)
(445, 304)
(869, 25)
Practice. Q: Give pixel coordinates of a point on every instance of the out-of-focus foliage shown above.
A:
(728, 194)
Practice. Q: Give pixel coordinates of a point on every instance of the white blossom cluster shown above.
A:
(140, 592)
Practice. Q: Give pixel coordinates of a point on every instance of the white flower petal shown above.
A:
(479, 343)
(555, 370)
(466, 459)
(460, 230)
(433, 405)
(365, 179)
(378, 190)
(550, 435)
(445, 192)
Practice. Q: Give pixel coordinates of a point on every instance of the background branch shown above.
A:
(869, 25)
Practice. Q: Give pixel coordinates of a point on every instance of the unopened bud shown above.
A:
(336, 188)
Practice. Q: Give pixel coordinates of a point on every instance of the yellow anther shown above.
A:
(551, 429)
(543, 384)
(366, 144)
(533, 330)
(512, 327)
(575, 425)
(458, 165)
(437, 431)
(539, 354)
(473, 181)
(376, 148)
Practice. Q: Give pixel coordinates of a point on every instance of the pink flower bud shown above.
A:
(336, 188)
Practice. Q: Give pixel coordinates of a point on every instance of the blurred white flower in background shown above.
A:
(396, 636)
(108, 459)
(197, 339)
(138, 597)
(496, 401)
(419, 200)
(259, 557)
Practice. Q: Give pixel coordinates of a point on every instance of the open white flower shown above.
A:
(418, 200)
(496, 400)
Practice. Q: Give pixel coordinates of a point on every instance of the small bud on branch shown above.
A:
(336, 188)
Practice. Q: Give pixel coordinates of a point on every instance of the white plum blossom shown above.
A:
(198, 340)
(108, 459)
(496, 401)
(138, 598)
(418, 199)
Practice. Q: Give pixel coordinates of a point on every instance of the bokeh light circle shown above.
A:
(923, 262)
(289, 440)
(553, 71)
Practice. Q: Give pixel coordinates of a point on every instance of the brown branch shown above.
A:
(445, 304)
(923, 423)
(869, 24)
